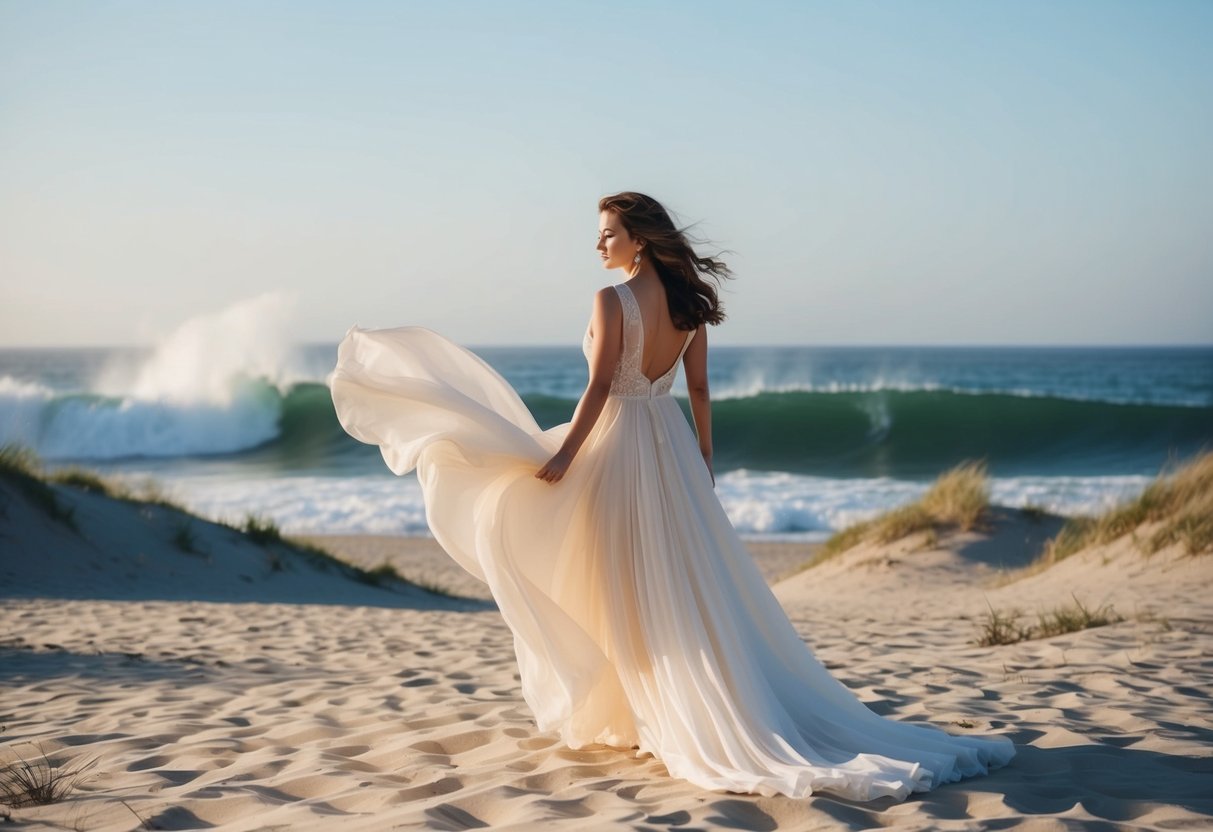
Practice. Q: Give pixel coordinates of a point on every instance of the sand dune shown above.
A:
(122, 550)
(357, 714)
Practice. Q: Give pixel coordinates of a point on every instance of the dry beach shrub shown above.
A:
(1180, 499)
(958, 499)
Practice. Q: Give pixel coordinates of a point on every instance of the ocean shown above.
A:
(807, 439)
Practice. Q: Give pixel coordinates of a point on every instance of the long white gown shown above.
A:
(640, 620)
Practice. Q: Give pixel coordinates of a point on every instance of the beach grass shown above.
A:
(185, 539)
(260, 529)
(85, 480)
(1035, 513)
(39, 781)
(145, 492)
(1180, 499)
(1003, 627)
(958, 499)
(266, 533)
(21, 468)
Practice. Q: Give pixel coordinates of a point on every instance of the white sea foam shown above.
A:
(21, 407)
(1068, 495)
(305, 504)
(759, 504)
(763, 503)
(209, 387)
(754, 383)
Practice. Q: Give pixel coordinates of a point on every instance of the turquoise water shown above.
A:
(806, 438)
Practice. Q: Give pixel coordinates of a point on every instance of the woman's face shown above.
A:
(615, 245)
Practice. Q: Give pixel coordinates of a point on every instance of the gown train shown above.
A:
(640, 620)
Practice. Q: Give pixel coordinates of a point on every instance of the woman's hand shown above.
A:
(554, 469)
(707, 460)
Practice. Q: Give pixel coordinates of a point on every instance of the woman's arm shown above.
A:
(695, 364)
(606, 325)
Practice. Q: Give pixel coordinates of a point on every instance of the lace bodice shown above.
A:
(628, 380)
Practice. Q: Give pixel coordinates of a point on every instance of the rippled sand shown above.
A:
(356, 716)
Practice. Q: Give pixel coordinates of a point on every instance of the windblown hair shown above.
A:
(691, 299)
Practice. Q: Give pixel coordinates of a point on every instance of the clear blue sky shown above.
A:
(888, 173)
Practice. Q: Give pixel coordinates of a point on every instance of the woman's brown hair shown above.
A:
(691, 299)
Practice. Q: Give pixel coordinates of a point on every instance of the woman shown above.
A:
(678, 300)
(640, 620)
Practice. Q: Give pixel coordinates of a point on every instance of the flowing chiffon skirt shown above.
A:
(640, 620)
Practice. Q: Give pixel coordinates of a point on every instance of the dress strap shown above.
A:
(632, 324)
(685, 344)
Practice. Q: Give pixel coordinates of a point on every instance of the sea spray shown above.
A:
(205, 358)
(208, 387)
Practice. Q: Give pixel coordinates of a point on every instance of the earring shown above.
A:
(636, 259)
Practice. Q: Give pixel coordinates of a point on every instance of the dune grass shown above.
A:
(83, 479)
(1181, 499)
(387, 572)
(185, 539)
(1004, 628)
(20, 467)
(279, 548)
(1035, 513)
(19, 461)
(146, 491)
(958, 499)
(266, 533)
(39, 781)
(260, 529)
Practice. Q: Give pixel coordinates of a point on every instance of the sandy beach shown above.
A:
(383, 710)
(897, 303)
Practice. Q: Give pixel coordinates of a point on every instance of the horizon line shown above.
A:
(760, 345)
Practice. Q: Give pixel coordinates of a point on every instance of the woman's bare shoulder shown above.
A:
(607, 300)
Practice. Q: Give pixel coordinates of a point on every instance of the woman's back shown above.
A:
(662, 341)
(627, 376)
